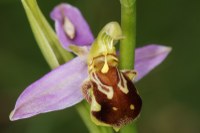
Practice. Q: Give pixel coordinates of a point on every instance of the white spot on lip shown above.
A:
(114, 108)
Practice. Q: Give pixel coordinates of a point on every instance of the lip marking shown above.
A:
(114, 108)
(132, 107)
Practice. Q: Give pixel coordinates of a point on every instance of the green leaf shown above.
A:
(45, 36)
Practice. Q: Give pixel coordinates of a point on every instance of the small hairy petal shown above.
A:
(57, 90)
(148, 57)
(71, 26)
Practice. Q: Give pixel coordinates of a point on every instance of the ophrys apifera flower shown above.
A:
(95, 71)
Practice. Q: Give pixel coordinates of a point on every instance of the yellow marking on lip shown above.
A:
(132, 107)
(95, 106)
(100, 86)
(121, 77)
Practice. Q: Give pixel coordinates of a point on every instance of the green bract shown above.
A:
(46, 38)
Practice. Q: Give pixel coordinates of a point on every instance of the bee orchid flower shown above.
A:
(61, 88)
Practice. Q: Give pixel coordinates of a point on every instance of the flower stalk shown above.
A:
(128, 24)
(127, 45)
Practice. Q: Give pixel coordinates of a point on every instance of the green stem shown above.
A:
(129, 128)
(84, 111)
(128, 24)
(127, 45)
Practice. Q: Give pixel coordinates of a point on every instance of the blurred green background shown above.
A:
(171, 101)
